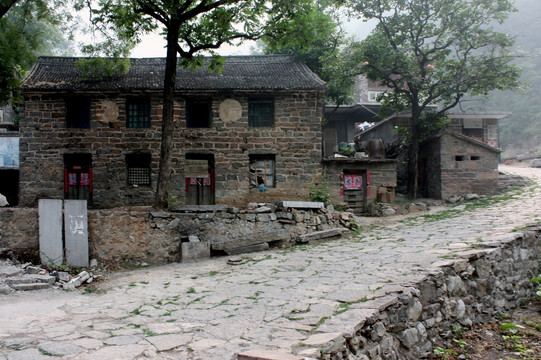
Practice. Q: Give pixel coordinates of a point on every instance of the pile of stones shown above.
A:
(25, 277)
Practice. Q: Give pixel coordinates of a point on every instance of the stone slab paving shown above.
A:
(271, 301)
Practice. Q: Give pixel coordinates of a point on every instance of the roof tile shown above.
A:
(267, 72)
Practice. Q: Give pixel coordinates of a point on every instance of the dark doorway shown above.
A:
(9, 186)
(78, 177)
(199, 176)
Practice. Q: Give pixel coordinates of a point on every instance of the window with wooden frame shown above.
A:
(261, 112)
(138, 168)
(262, 170)
(138, 113)
(78, 113)
(198, 113)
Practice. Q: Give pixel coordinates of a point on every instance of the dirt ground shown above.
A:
(516, 335)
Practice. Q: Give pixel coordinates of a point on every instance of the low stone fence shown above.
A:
(138, 234)
(407, 324)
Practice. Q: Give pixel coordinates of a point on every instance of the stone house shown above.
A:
(257, 122)
(451, 163)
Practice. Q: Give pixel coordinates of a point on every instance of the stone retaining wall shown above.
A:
(19, 231)
(138, 234)
(409, 323)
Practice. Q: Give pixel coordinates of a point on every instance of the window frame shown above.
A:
(78, 112)
(141, 112)
(193, 107)
(138, 166)
(257, 119)
(267, 177)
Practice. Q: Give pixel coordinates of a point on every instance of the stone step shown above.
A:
(32, 286)
(11, 272)
(247, 249)
(301, 204)
(266, 355)
(319, 235)
(31, 279)
(253, 239)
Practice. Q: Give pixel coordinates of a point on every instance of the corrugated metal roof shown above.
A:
(271, 72)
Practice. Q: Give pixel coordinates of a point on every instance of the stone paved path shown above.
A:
(212, 310)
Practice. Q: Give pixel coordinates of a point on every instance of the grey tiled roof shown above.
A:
(269, 72)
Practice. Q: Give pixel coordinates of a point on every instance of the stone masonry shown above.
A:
(290, 135)
(45, 139)
(457, 165)
(138, 234)
(407, 324)
(382, 294)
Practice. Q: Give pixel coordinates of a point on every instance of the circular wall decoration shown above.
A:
(230, 110)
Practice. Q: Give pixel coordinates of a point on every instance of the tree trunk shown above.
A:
(164, 175)
(413, 160)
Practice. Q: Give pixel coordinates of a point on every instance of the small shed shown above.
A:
(454, 164)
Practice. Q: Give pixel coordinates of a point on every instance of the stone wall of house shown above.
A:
(19, 231)
(138, 234)
(408, 323)
(294, 141)
(379, 176)
(467, 168)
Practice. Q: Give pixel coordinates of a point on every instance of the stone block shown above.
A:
(253, 239)
(51, 249)
(247, 249)
(266, 355)
(318, 235)
(76, 232)
(301, 204)
(193, 251)
(30, 286)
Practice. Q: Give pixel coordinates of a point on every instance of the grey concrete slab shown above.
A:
(76, 232)
(192, 251)
(51, 249)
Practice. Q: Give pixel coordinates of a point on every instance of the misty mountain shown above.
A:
(520, 133)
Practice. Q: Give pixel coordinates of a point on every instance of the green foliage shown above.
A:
(30, 28)
(100, 68)
(429, 124)
(316, 38)
(190, 28)
(319, 191)
(432, 52)
(537, 280)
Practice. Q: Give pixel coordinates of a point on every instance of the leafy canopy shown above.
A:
(29, 28)
(316, 38)
(191, 28)
(435, 51)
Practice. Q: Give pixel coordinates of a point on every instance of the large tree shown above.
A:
(29, 28)
(190, 27)
(433, 52)
(316, 37)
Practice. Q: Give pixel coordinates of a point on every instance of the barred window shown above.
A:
(138, 113)
(262, 170)
(261, 112)
(138, 167)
